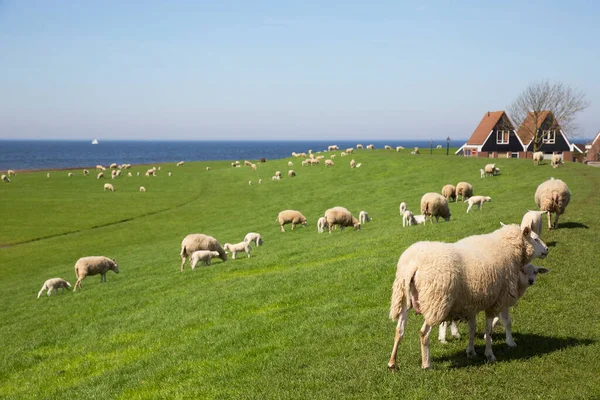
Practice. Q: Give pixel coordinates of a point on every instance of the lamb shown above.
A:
(352, 163)
(290, 216)
(291, 173)
(342, 217)
(527, 277)
(180, 163)
(275, 178)
(108, 186)
(278, 174)
(387, 147)
(250, 183)
(408, 219)
(553, 196)
(538, 157)
(398, 148)
(556, 160)
(490, 169)
(449, 192)
(70, 174)
(321, 224)
(402, 208)
(329, 163)
(465, 190)
(113, 166)
(358, 165)
(208, 168)
(370, 147)
(349, 150)
(198, 241)
(259, 181)
(5, 178)
(416, 151)
(359, 146)
(100, 175)
(253, 237)
(48, 175)
(202, 255)
(142, 189)
(237, 248)
(533, 219)
(363, 217)
(435, 205)
(290, 164)
(129, 174)
(86, 172)
(170, 174)
(11, 172)
(54, 284)
(481, 173)
(477, 200)
(451, 281)
(254, 167)
(94, 265)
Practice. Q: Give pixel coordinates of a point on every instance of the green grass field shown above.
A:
(307, 315)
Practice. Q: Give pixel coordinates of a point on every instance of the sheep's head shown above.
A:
(355, 223)
(529, 274)
(214, 254)
(114, 266)
(487, 198)
(539, 248)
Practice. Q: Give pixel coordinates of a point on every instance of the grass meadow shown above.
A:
(307, 315)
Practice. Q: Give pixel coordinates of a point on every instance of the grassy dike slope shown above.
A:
(306, 316)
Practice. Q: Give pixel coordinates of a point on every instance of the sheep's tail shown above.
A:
(42, 290)
(401, 299)
(183, 252)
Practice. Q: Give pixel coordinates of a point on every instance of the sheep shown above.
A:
(233, 165)
(538, 157)
(48, 175)
(254, 167)
(5, 178)
(129, 174)
(329, 163)
(54, 284)
(449, 192)
(94, 265)
(198, 241)
(70, 174)
(99, 167)
(332, 156)
(109, 187)
(291, 173)
(556, 160)
(352, 163)
(237, 248)
(11, 172)
(314, 161)
(402, 208)
(100, 175)
(490, 169)
(290, 216)
(275, 178)
(477, 200)
(278, 174)
(465, 190)
(408, 218)
(358, 165)
(363, 217)
(553, 196)
(342, 217)
(180, 163)
(359, 146)
(202, 255)
(332, 147)
(439, 146)
(527, 277)
(113, 166)
(398, 148)
(290, 164)
(253, 237)
(259, 181)
(250, 183)
(321, 224)
(86, 172)
(208, 168)
(170, 173)
(481, 173)
(349, 150)
(370, 147)
(451, 281)
(435, 205)
(142, 189)
(138, 174)
(533, 219)
(387, 147)
(416, 151)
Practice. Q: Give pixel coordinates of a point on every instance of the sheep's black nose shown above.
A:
(531, 281)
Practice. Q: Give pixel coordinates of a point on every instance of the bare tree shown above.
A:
(563, 101)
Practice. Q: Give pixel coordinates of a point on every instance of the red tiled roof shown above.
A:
(489, 120)
(526, 130)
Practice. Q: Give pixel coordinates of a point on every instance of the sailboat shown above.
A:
(95, 141)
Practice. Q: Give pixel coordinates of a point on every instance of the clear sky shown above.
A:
(266, 69)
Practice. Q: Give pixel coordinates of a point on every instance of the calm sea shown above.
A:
(54, 154)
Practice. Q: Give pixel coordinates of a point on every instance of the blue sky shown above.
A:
(267, 69)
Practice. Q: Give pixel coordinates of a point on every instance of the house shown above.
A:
(593, 153)
(495, 136)
(553, 140)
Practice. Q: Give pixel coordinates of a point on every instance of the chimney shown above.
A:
(488, 113)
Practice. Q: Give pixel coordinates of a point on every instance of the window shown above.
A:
(502, 137)
(467, 153)
(548, 137)
(515, 155)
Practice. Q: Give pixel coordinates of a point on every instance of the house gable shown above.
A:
(503, 137)
(557, 142)
(487, 124)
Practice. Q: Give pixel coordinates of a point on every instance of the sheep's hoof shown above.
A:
(444, 341)
(457, 336)
(471, 354)
(427, 368)
(491, 358)
(392, 368)
(511, 344)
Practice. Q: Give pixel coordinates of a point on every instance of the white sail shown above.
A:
(95, 141)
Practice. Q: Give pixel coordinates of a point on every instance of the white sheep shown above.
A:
(100, 175)
(291, 173)
(202, 255)
(113, 166)
(481, 173)
(402, 208)
(477, 200)
(435, 205)
(48, 175)
(198, 241)
(387, 147)
(54, 284)
(259, 181)
(138, 173)
(250, 183)
(342, 217)
(180, 163)
(109, 187)
(253, 166)
(465, 190)
(358, 165)
(370, 147)
(321, 224)
(533, 219)
(359, 146)
(329, 163)
(238, 248)
(142, 189)
(11, 172)
(538, 157)
(452, 281)
(278, 174)
(5, 178)
(70, 174)
(490, 169)
(253, 237)
(449, 192)
(553, 196)
(408, 218)
(352, 163)
(99, 167)
(290, 216)
(556, 160)
(208, 168)
(349, 150)
(94, 265)
(398, 148)
(86, 172)
(290, 164)
(363, 217)
(129, 174)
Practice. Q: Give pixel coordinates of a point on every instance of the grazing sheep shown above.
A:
(198, 241)
(202, 255)
(452, 281)
(278, 174)
(180, 163)
(408, 219)
(5, 178)
(314, 161)
(465, 190)
(86, 172)
(435, 205)
(94, 265)
(332, 156)
(321, 224)
(129, 174)
(358, 165)
(342, 217)
(113, 166)
(259, 181)
(70, 174)
(387, 147)
(254, 167)
(490, 169)
(370, 147)
(249, 182)
(359, 146)
(208, 168)
(481, 173)
(54, 284)
(329, 163)
(439, 146)
(449, 192)
(48, 175)
(477, 200)
(275, 178)
(142, 189)
(416, 151)
(402, 208)
(363, 217)
(553, 196)
(352, 163)
(11, 172)
(349, 150)
(237, 248)
(99, 167)
(556, 160)
(291, 173)
(398, 148)
(527, 277)
(138, 174)
(290, 164)
(108, 186)
(332, 147)
(290, 216)
(533, 220)
(170, 174)
(100, 175)
(538, 157)
(253, 237)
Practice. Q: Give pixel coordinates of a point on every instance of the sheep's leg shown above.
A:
(78, 284)
(454, 330)
(505, 315)
(102, 278)
(442, 332)
(398, 338)
(233, 253)
(471, 345)
(183, 260)
(488, 339)
(469, 208)
(282, 230)
(549, 220)
(425, 332)
(49, 292)
(293, 225)
(555, 220)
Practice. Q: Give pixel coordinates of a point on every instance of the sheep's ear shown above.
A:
(542, 270)
(526, 231)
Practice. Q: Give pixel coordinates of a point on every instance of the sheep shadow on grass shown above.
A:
(528, 346)
(572, 225)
